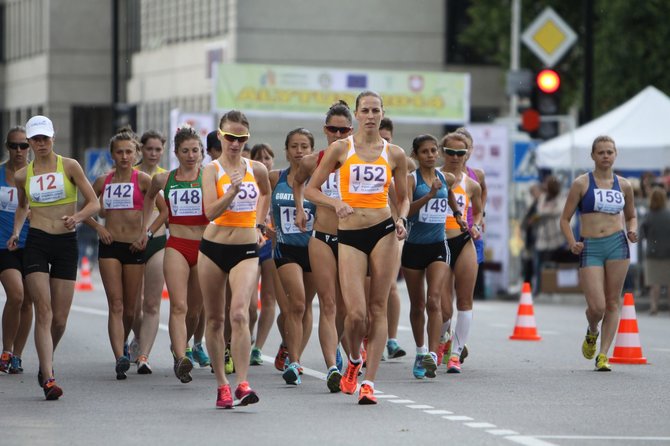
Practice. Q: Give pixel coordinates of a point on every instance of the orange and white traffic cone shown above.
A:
(627, 348)
(165, 294)
(84, 283)
(525, 328)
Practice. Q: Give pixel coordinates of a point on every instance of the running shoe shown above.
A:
(51, 390)
(244, 395)
(333, 380)
(229, 366)
(589, 344)
(122, 366)
(418, 370)
(454, 364)
(349, 381)
(133, 350)
(200, 355)
(447, 351)
(394, 350)
(338, 360)
(367, 395)
(464, 354)
(256, 357)
(182, 370)
(5, 362)
(282, 354)
(189, 354)
(429, 363)
(126, 350)
(143, 367)
(441, 348)
(224, 398)
(291, 375)
(15, 366)
(602, 364)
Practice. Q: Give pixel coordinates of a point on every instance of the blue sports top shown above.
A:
(427, 225)
(8, 204)
(283, 214)
(607, 201)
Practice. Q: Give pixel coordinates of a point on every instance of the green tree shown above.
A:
(630, 45)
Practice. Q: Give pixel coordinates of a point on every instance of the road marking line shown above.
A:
(502, 432)
(601, 437)
(661, 349)
(420, 406)
(527, 440)
(384, 396)
(457, 418)
(438, 412)
(478, 425)
(402, 401)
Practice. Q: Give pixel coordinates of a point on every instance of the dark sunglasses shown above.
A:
(232, 137)
(335, 129)
(452, 152)
(18, 145)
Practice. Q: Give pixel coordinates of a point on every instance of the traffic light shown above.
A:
(546, 99)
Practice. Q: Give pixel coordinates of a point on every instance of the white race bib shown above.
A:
(367, 178)
(329, 188)
(435, 211)
(118, 196)
(9, 200)
(186, 202)
(460, 201)
(287, 217)
(246, 199)
(608, 201)
(47, 188)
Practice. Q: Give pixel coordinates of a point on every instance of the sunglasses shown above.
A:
(455, 152)
(18, 145)
(232, 137)
(335, 129)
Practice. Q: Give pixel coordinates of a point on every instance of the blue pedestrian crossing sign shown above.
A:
(98, 162)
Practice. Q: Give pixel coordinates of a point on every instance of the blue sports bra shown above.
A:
(608, 201)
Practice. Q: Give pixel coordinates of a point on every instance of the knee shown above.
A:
(116, 307)
(297, 307)
(215, 324)
(356, 317)
(178, 309)
(597, 310)
(417, 307)
(58, 325)
(239, 317)
(327, 307)
(433, 302)
(612, 305)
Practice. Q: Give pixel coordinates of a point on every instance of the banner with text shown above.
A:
(409, 96)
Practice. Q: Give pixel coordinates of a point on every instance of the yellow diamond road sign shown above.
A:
(549, 37)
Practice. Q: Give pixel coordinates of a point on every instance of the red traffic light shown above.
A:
(548, 81)
(530, 120)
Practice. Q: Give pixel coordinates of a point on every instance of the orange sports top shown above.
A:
(364, 184)
(242, 211)
(463, 203)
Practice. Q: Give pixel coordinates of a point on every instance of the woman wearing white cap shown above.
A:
(48, 185)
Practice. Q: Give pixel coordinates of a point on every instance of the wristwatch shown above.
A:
(150, 235)
(458, 214)
(262, 227)
(404, 221)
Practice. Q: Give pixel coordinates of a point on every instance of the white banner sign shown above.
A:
(491, 154)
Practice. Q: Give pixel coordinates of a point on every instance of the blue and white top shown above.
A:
(427, 225)
(9, 201)
(283, 214)
(608, 201)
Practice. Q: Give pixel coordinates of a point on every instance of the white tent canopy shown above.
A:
(639, 127)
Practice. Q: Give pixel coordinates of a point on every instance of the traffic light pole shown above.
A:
(514, 54)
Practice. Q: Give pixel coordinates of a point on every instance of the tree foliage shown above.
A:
(630, 45)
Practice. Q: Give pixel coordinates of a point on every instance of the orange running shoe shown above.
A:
(366, 395)
(349, 381)
(51, 390)
(224, 399)
(282, 354)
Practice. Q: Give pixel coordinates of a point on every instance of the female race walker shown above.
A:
(147, 312)
(323, 246)
(600, 196)
(462, 274)
(425, 253)
(17, 316)
(235, 195)
(49, 186)
(121, 249)
(367, 235)
(291, 253)
(182, 189)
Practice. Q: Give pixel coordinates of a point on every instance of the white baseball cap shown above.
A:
(39, 125)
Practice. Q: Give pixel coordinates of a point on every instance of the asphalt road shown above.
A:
(531, 393)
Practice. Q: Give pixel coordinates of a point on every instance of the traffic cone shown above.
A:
(84, 283)
(525, 328)
(165, 294)
(627, 348)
